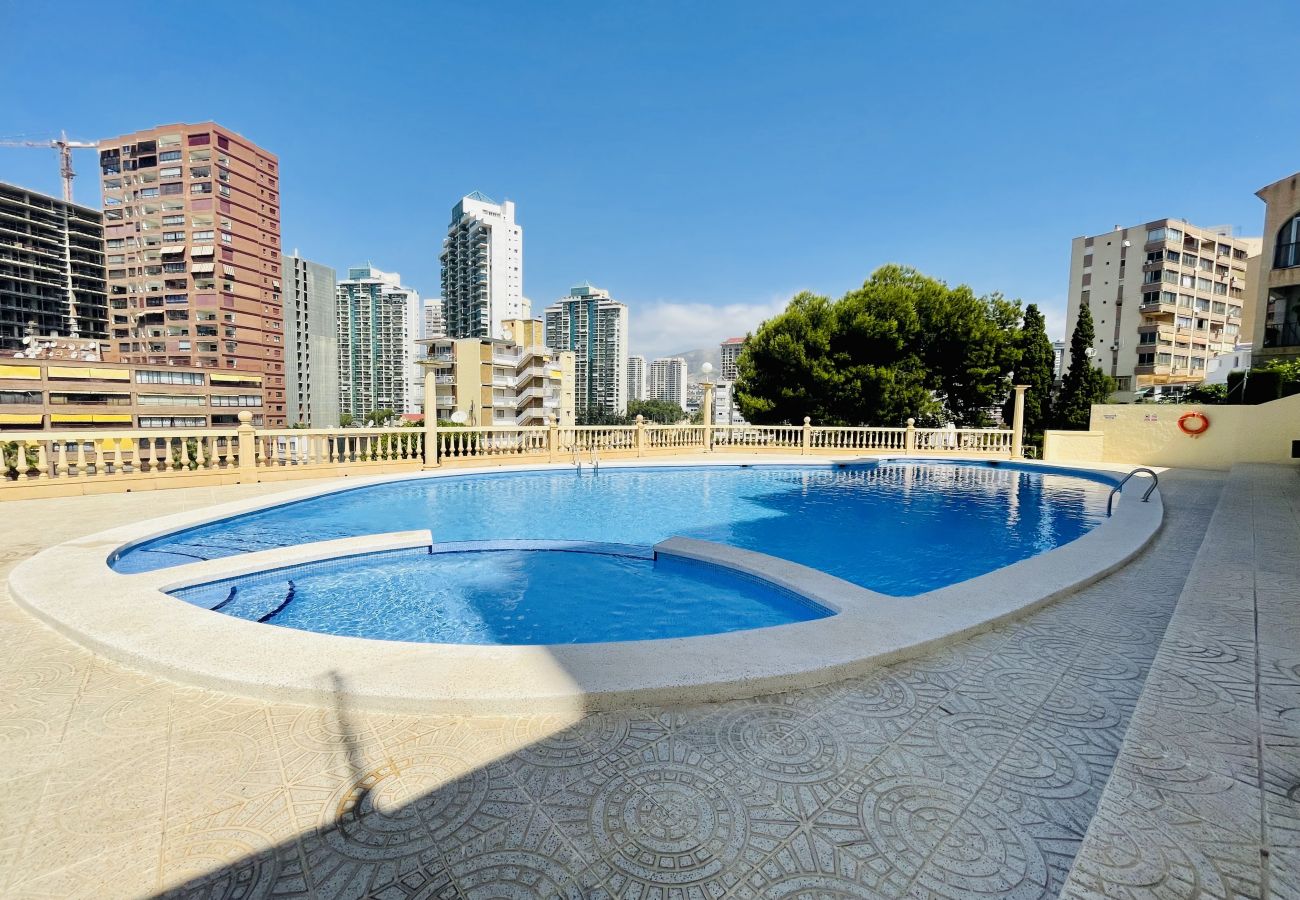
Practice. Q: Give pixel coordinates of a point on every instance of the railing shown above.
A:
(962, 440)
(1146, 495)
(74, 461)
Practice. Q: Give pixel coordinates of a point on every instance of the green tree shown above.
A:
(346, 420)
(379, 417)
(1035, 370)
(661, 412)
(600, 417)
(903, 345)
(1084, 384)
(785, 371)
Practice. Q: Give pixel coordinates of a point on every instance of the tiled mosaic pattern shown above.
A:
(971, 772)
(1205, 797)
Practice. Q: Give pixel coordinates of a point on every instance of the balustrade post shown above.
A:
(706, 407)
(640, 435)
(247, 443)
(552, 439)
(806, 443)
(1018, 423)
(430, 432)
(909, 439)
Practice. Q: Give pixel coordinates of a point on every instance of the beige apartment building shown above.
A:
(512, 381)
(1166, 297)
(65, 394)
(1276, 329)
(192, 249)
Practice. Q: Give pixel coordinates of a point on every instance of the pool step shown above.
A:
(288, 598)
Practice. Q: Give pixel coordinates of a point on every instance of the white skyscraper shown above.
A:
(594, 327)
(635, 378)
(483, 268)
(433, 323)
(378, 321)
(666, 380)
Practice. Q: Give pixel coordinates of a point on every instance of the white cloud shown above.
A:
(1053, 310)
(660, 327)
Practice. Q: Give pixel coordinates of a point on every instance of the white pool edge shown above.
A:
(129, 618)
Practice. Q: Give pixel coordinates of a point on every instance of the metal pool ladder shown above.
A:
(1155, 481)
(595, 459)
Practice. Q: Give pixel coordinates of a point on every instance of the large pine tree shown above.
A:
(1034, 369)
(1084, 384)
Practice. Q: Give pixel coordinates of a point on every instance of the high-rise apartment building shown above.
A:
(635, 378)
(483, 268)
(433, 323)
(593, 326)
(378, 325)
(311, 363)
(515, 380)
(52, 275)
(1166, 297)
(1276, 296)
(666, 380)
(1059, 351)
(192, 243)
(730, 352)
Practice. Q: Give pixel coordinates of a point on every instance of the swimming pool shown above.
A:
(533, 596)
(899, 528)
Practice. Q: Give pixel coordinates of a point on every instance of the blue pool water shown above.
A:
(506, 597)
(900, 528)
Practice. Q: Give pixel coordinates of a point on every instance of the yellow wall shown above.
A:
(1148, 434)
(1073, 446)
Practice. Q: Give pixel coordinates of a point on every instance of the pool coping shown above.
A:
(129, 618)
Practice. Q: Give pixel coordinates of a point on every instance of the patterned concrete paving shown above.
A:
(1205, 797)
(970, 772)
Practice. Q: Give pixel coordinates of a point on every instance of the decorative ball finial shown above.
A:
(245, 417)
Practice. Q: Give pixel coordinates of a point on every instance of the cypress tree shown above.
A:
(1033, 369)
(1084, 384)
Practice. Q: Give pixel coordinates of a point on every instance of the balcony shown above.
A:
(1157, 308)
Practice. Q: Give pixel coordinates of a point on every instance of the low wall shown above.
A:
(1148, 434)
(1073, 446)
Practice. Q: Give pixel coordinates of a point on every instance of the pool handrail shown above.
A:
(1155, 482)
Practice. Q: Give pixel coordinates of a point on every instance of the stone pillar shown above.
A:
(552, 440)
(706, 407)
(909, 439)
(1018, 423)
(806, 442)
(640, 435)
(247, 438)
(430, 418)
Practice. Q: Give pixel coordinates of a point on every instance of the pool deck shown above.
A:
(981, 769)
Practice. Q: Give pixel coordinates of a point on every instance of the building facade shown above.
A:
(666, 380)
(730, 352)
(1166, 297)
(52, 274)
(73, 393)
(635, 378)
(1276, 299)
(515, 380)
(311, 372)
(593, 326)
(192, 244)
(433, 324)
(377, 327)
(1059, 351)
(483, 268)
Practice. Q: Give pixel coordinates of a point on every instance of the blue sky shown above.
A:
(702, 161)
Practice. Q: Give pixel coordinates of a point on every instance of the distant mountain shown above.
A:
(697, 358)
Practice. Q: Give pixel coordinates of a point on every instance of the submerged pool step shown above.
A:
(288, 598)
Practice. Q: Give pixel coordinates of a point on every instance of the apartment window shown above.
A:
(203, 187)
(1172, 256)
(1230, 330)
(1204, 284)
(170, 172)
(1219, 308)
(1168, 297)
(1163, 359)
(172, 237)
(1183, 321)
(1206, 265)
(197, 140)
(87, 399)
(1286, 255)
(171, 400)
(200, 171)
(1147, 338)
(240, 400)
(169, 156)
(1202, 305)
(1198, 363)
(146, 193)
(1234, 311)
(1155, 234)
(147, 377)
(1146, 359)
(1187, 281)
(27, 397)
(1180, 362)
(174, 220)
(173, 187)
(172, 422)
(202, 236)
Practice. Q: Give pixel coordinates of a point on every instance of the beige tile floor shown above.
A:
(974, 771)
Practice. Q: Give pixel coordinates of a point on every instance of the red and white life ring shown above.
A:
(1200, 429)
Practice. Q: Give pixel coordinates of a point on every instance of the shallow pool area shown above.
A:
(896, 527)
(506, 596)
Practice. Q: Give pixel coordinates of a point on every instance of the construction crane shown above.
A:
(65, 148)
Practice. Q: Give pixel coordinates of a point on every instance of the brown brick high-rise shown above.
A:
(192, 244)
